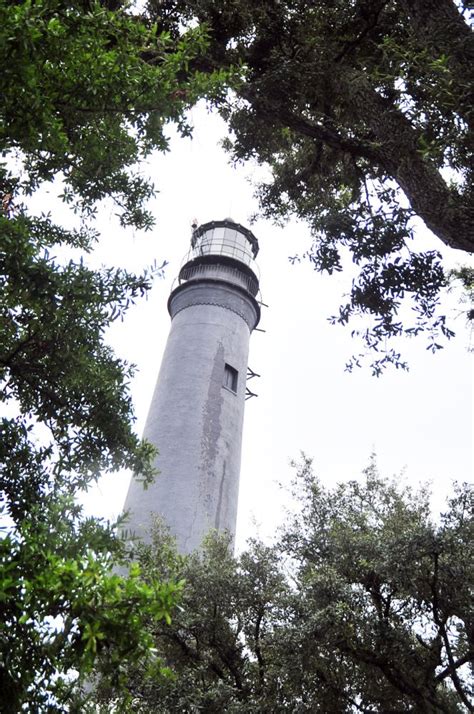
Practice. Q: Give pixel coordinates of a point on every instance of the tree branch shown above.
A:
(468, 657)
(329, 136)
(398, 153)
(441, 624)
(258, 651)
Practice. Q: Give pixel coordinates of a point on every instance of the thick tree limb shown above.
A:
(440, 208)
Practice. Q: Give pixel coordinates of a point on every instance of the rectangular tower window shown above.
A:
(231, 377)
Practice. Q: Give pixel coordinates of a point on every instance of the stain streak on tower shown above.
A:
(196, 414)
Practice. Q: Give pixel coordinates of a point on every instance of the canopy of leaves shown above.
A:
(362, 606)
(62, 606)
(363, 112)
(86, 92)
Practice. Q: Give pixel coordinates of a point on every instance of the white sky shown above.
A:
(420, 421)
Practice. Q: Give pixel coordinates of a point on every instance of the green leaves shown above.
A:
(54, 359)
(361, 605)
(64, 611)
(86, 93)
(70, 419)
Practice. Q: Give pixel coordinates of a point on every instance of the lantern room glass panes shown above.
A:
(223, 240)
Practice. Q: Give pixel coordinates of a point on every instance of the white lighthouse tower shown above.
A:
(196, 414)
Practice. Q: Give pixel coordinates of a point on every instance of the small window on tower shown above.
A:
(230, 378)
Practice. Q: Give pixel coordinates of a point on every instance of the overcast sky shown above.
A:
(418, 422)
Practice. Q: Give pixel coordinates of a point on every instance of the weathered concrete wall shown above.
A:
(194, 420)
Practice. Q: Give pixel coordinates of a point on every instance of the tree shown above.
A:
(362, 111)
(87, 90)
(362, 606)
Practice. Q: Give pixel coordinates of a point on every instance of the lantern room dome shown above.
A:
(224, 251)
(224, 238)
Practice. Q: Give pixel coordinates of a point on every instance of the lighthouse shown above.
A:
(197, 410)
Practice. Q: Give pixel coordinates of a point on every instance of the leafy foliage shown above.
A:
(63, 607)
(463, 277)
(87, 90)
(362, 606)
(363, 113)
